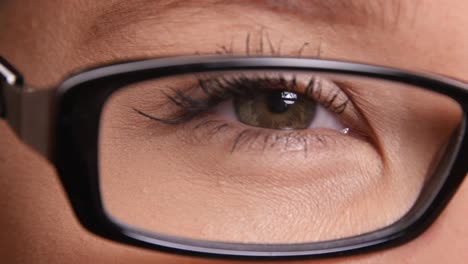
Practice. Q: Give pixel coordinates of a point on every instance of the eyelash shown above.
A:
(217, 90)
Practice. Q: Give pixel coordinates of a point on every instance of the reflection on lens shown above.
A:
(263, 157)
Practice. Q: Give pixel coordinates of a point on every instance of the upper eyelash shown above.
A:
(226, 88)
(309, 90)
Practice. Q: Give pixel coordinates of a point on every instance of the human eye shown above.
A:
(269, 155)
(263, 108)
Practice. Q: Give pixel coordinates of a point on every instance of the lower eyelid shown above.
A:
(235, 137)
(220, 126)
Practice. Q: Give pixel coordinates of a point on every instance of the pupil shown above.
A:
(278, 102)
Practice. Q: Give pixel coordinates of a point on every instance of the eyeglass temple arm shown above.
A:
(29, 112)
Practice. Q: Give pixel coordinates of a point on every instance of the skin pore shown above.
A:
(46, 40)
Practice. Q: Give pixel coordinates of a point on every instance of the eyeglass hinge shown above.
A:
(9, 77)
(28, 112)
(9, 74)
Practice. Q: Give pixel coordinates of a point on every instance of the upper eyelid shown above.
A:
(213, 95)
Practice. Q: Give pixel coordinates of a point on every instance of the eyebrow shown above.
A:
(386, 15)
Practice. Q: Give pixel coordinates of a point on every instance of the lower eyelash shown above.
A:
(285, 142)
(255, 140)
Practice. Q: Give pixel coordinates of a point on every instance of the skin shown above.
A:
(46, 40)
(308, 185)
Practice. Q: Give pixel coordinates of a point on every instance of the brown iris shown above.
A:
(275, 109)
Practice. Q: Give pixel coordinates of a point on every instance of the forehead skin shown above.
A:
(48, 39)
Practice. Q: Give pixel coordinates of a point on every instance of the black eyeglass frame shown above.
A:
(63, 125)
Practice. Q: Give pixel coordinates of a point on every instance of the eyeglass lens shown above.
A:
(269, 156)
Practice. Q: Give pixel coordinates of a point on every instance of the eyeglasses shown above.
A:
(249, 157)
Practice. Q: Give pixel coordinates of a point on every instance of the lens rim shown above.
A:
(80, 101)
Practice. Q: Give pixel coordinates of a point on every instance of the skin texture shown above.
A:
(46, 40)
(275, 186)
